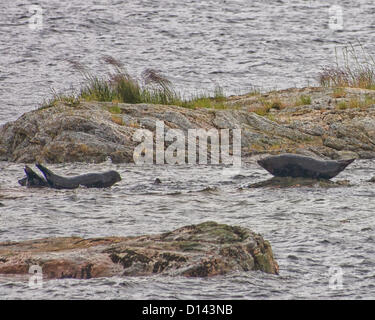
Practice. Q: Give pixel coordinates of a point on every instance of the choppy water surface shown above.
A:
(237, 44)
(311, 229)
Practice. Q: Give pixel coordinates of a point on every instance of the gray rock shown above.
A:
(202, 250)
(90, 132)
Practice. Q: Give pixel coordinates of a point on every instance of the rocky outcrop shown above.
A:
(202, 250)
(65, 134)
(329, 124)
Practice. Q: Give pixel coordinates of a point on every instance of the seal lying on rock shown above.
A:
(89, 180)
(294, 165)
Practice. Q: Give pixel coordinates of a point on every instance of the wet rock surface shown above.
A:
(331, 126)
(289, 182)
(202, 250)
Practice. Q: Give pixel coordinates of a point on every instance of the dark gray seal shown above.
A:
(89, 180)
(32, 179)
(294, 165)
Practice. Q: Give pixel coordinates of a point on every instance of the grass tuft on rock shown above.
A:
(119, 86)
(356, 102)
(352, 70)
(303, 100)
(69, 99)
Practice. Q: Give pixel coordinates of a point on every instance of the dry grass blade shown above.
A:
(151, 76)
(114, 62)
(120, 72)
(77, 66)
(354, 71)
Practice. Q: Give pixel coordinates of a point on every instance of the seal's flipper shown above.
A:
(32, 179)
(56, 181)
(346, 162)
(43, 169)
(48, 174)
(23, 181)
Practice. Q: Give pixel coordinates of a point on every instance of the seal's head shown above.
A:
(115, 176)
(266, 164)
(344, 163)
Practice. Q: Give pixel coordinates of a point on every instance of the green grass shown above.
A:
(338, 93)
(356, 102)
(342, 105)
(68, 99)
(114, 109)
(369, 100)
(204, 100)
(119, 86)
(262, 111)
(303, 100)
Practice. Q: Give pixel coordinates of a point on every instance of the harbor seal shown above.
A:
(89, 180)
(32, 179)
(294, 165)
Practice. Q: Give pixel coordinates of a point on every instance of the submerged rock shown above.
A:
(289, 182)
(157, 181)
(202, 250)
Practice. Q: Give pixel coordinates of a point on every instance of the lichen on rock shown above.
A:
(201, 250)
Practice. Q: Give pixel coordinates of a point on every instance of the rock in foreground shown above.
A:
(202, 250)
